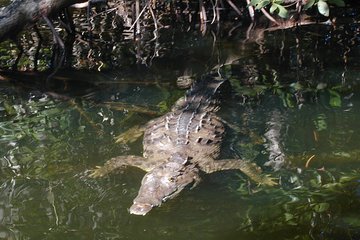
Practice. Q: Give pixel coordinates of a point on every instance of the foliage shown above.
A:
(289, 93)
(309, 196)
(37, 135)
(282, 9)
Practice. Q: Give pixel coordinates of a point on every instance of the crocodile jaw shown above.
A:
(140, 208)
(162, 183)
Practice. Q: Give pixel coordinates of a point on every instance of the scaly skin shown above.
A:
(177, 146)
(163, 182)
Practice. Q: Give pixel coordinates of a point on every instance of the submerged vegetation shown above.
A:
(292, 108)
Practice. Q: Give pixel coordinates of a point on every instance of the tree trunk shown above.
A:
(22, 13)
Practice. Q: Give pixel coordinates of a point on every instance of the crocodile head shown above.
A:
(162, 183)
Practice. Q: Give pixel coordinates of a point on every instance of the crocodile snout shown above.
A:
(140, 208)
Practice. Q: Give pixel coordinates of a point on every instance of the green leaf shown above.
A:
(289, 216)
(274, 6)
(9, 108)
(263, 4)
(335, 99)
(321, 86)
(320, 123)
(289, 100)
(296, 86)
(309, 4)
(282, 12)
(339, 3)
(259, 3)
(321, 207)
(255, 2)
(323, 8)
(163, 106)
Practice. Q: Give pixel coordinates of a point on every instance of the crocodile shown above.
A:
(179, 146)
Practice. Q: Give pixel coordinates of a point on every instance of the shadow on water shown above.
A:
(295, 107)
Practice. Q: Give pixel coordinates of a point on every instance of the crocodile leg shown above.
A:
(131, 135)
(122, 162)
(250, 169)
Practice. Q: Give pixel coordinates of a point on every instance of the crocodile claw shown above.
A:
(268, 181)
(98, 172)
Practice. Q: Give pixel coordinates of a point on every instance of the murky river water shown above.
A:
(294, 101)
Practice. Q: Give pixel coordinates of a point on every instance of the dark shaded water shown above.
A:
(294, 101)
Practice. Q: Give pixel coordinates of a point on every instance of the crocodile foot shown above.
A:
(267, 180)
(99, 171)
(119, 163)
(131, 135)
(254, 172)
(250, 169)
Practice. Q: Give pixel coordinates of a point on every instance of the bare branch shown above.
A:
(21, 13)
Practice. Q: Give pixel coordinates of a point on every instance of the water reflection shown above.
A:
(273, 136)
(16, 198)
(290, 103)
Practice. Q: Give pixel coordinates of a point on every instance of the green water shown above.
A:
(297, 100)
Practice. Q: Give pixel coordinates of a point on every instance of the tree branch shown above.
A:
(22, 13)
